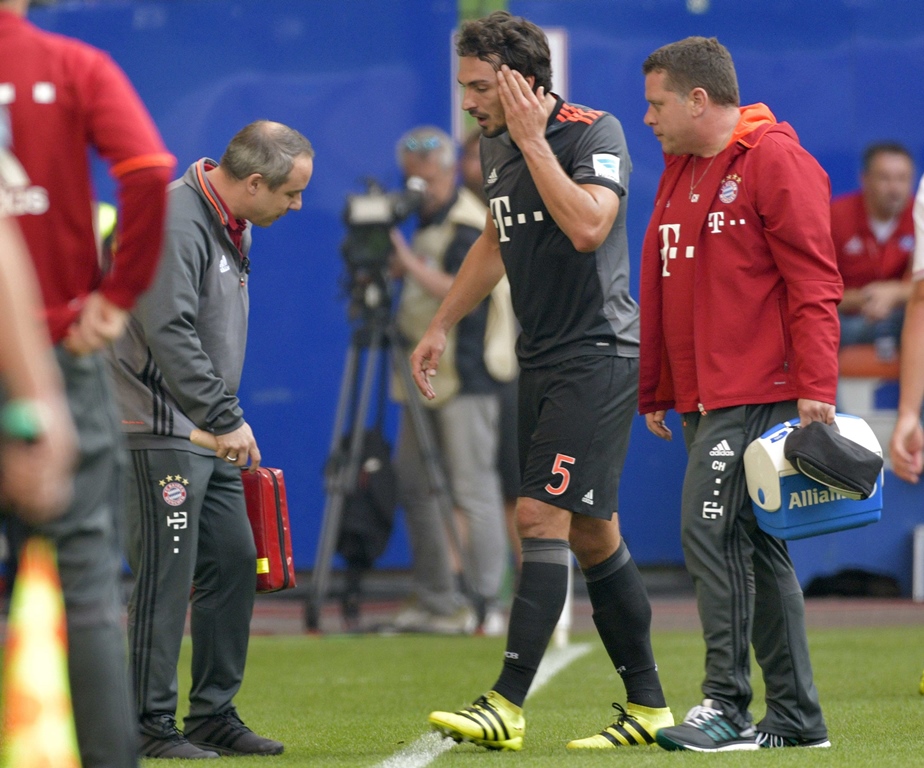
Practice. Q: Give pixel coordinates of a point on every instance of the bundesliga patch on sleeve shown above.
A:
(607, 167)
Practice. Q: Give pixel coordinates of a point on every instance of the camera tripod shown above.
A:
(382, 342)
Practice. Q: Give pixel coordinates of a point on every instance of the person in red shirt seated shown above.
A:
(873, 236)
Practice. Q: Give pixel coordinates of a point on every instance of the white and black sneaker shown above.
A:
(772, 741)
(707, 729)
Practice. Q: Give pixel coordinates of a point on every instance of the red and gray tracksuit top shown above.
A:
(765, 291)
(179, 364)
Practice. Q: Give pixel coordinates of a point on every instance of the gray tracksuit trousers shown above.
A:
(188, 530)
(89, 548)
(746, 587)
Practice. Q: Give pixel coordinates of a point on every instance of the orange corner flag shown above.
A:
(38, 721)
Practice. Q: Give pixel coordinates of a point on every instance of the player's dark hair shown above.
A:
(697, 62)
(884, 148)
(501, 38)
(267, 148)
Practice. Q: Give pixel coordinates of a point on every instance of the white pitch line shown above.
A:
(431, 745)
(421, 753)
(554, 662)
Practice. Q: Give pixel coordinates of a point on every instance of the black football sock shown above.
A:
(622, 615)
(537, 606)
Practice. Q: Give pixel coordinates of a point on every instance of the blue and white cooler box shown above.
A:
(790, 505)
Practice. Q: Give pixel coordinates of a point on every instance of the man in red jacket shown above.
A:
(65, 99)
(739, 331)
(873, 235)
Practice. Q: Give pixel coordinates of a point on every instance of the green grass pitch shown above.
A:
(359, 701)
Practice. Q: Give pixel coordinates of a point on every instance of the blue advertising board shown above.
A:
(355, 74)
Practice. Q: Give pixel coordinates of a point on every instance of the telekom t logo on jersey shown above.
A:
(669, 235)
(504, 219)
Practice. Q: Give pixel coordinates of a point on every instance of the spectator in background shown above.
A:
(67, 100)
(464, 420)
(178, 369)
(873, 237)
(906, 449)
(508, 463)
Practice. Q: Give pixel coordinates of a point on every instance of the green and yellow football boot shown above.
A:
(491, 722)
(635, 726)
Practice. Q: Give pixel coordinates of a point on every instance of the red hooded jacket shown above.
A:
(766, 283)
(64, 98)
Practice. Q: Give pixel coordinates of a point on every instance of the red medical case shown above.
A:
(265, 494)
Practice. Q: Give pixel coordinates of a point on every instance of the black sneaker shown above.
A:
(771, 741)
(161, 738)
(227, 735)
(707, 729)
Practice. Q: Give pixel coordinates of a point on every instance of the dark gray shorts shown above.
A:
(574, 425)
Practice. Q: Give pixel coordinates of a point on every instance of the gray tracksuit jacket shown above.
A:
(178, 366)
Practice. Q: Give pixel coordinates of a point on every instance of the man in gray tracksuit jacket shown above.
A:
(177, 368)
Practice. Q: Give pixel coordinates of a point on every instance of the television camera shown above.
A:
(369, 217)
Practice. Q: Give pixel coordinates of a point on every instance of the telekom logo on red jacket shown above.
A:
(670, 236)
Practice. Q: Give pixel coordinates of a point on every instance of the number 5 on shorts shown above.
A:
(558, 469)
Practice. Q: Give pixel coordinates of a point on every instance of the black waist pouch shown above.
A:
(822, 453)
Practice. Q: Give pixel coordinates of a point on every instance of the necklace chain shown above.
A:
(694, 198)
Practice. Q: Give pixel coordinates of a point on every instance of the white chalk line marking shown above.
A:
(431, 745)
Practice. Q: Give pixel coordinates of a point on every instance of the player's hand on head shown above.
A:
(525, 111)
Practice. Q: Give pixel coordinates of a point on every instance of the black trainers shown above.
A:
(771, 741)
(227, 735)
(707, 729)
(161, 738)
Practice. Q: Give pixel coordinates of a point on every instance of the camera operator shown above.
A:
(464, 418)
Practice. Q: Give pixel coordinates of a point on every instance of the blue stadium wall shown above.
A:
(352, 75)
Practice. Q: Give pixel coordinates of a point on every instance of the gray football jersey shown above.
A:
(567, 303)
